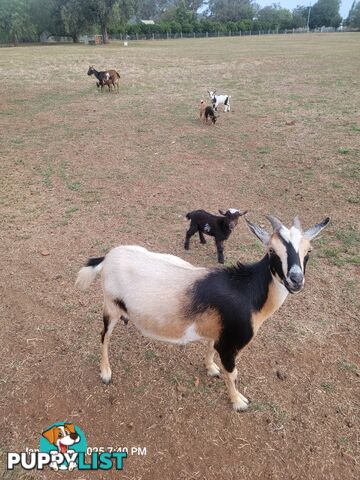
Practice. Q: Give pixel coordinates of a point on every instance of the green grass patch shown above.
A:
(264, 150)
(69, 213)
(328, 387)
(344, 151)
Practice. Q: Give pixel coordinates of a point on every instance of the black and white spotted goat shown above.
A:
(213, 225)
(171, 300)
(217, 100)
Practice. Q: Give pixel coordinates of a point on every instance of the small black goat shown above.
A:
(209, 113)
(213, 225)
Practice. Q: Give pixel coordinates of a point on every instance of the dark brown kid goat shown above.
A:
(213, 225)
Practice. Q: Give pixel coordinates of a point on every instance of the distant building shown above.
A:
(134, 20)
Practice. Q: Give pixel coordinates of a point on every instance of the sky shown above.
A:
(291, 4)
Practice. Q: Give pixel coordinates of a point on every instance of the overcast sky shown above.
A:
(291, 4)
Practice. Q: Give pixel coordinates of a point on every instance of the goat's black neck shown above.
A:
(96, 73)
(224, 224)
(241, 288)
(252, 281)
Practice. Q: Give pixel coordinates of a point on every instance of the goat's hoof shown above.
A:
(213, 370)
(203, 242)
(186, 247)
(106, 376)
(240, 405)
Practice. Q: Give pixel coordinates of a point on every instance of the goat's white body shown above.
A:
(220, 100)
(153, 287)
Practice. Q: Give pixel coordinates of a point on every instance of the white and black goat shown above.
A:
(171, 300)
(219, 227)
(217, 100)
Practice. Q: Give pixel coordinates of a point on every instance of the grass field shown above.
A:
(83, 171)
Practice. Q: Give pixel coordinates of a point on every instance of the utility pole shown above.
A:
(308, 19)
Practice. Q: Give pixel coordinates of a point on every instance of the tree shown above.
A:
(101, 12)
(353, 19)
(74, 16)
(15, 24)
(300, 15)
(45, 16)
(274, 17)
(231, 10)
(180, 16)
(325, 13)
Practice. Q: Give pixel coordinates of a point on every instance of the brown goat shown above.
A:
(202, 109)
(111, 78)
(107, 77)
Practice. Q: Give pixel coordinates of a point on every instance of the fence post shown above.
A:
(181, 34)
(240, 33)
(207, 34)
(250, 33)
(194, 35)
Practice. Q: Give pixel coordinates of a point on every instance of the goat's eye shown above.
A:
(271, 251)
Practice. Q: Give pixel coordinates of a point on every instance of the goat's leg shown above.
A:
(110, 317)
(238, 400)
(212, 369)
(220, 250)
(202, 238)
(192, 230)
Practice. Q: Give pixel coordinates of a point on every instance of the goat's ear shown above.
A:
(314, 231)
(259, 232)
(242, 213)
(222, 212)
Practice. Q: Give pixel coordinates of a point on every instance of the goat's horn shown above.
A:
(296, 223)
(275, 222)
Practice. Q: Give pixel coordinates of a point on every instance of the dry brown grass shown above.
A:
(83, 171)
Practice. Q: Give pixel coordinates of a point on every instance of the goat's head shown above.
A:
(288, 249)
(91, 70)
(232, 216)
(212, 95)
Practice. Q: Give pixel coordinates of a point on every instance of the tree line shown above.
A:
(25, 20)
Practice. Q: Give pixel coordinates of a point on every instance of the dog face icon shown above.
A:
(62, 436)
